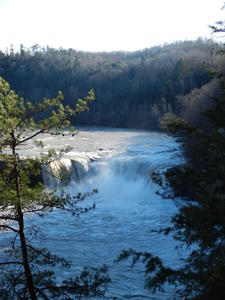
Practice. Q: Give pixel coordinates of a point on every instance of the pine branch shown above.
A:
(11, 263)
(9, 228)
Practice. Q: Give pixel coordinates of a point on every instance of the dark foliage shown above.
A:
(132, 89)
(200, 224)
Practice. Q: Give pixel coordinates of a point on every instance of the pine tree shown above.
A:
(23, 275)
(200, 224)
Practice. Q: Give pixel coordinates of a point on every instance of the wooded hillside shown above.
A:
(133, 89)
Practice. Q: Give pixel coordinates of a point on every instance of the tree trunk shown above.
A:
(26, 265)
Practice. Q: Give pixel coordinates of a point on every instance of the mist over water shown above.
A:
(119, 163)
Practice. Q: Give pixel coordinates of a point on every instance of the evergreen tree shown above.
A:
(200, 224)
(26, 272)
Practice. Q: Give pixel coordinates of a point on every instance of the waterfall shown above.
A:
(128, 213)
(63, 171)
(79, 168)
(134, 168)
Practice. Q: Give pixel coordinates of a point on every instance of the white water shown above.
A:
(119, 164)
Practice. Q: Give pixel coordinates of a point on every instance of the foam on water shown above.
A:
(119, 164)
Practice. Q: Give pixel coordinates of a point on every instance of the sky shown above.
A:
(105, 25)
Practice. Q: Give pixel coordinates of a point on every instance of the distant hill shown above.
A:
(132, 89)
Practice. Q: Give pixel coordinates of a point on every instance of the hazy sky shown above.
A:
(96, 25)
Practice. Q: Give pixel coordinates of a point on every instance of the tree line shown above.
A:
(132, 89)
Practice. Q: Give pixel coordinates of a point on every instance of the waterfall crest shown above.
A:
(63, 171)
(75, 167)
(80, 168)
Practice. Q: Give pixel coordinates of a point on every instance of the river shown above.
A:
(119, 163)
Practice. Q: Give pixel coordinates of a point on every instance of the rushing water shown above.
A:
(119, 163)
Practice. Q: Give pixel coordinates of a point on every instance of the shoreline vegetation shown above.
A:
(201, 221)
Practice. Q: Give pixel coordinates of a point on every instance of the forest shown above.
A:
(132, 89)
